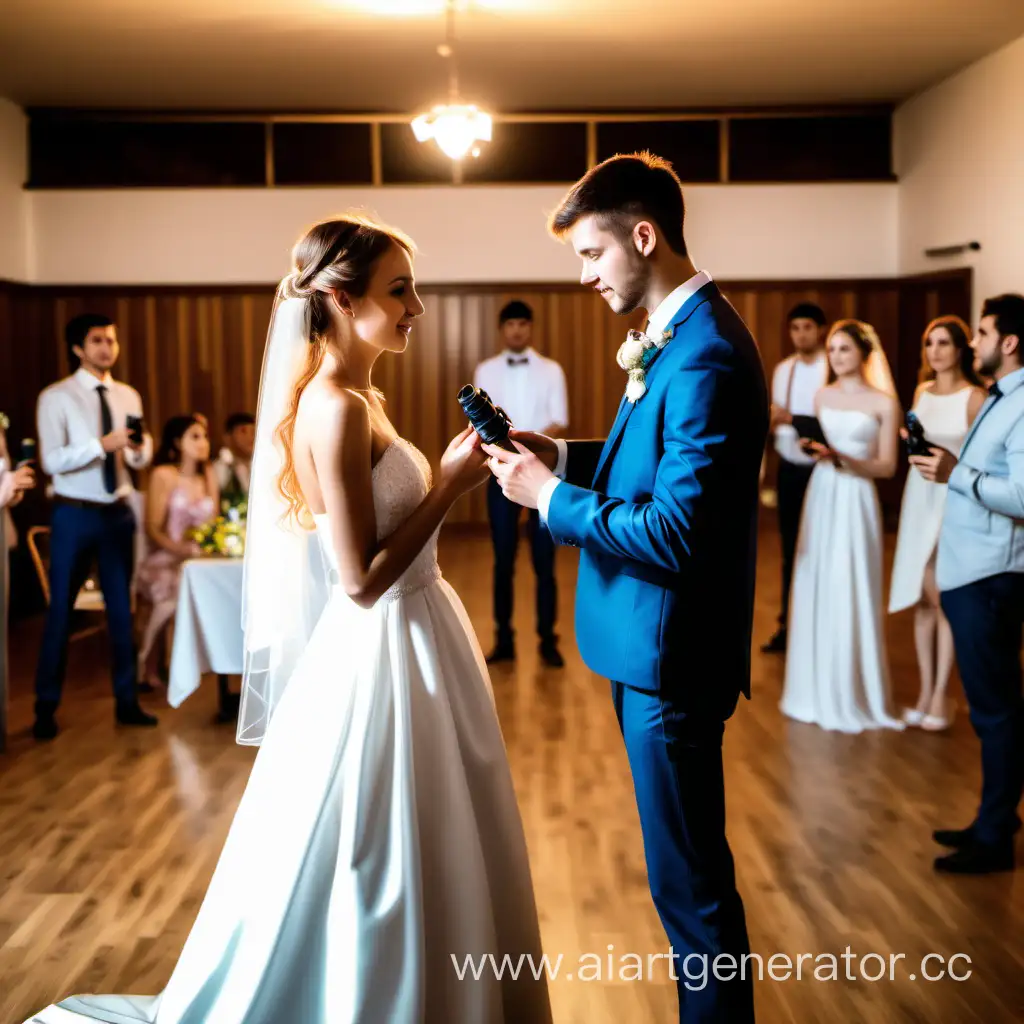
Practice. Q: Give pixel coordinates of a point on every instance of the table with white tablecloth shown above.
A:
(207, 629)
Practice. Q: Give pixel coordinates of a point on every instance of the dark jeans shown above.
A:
(676, 761)
(504, 516)
(80, 536)
(793, 481)
(986, 618)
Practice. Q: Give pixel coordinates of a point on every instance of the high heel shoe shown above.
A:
(911, 716)
(939, 723)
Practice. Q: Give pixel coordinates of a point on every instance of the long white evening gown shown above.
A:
(378, 834)
(837, 673)
(944, 418)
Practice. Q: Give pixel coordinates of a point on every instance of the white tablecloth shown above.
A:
(208, 625)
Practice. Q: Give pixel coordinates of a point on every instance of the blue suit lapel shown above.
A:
(626, 408)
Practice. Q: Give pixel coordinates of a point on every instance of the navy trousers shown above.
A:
(792, 485)
(79, 537)
(676, 761)
(504, 517)
(986, 618)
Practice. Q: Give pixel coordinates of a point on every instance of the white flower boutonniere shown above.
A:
(635, 354)
(5, 423)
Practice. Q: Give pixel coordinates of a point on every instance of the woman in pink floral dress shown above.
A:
(183, 494)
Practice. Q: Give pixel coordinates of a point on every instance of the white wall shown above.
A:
(960, 160)
(467, 234)
(15, 240)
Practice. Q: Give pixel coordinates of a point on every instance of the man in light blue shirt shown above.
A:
(980, 572)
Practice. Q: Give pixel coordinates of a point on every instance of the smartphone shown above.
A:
(27, 452)
(134, 426)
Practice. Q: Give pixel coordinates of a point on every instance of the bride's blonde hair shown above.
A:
(336, 255)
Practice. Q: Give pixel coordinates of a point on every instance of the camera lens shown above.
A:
(490, 423)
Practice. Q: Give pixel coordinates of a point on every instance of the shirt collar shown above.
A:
(673, 302)
(89, 382)
(1011, 381)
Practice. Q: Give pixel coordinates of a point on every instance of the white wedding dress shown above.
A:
(837, 673)
(378, 835)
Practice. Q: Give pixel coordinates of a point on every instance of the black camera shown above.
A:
(916, 443)
(488, 420)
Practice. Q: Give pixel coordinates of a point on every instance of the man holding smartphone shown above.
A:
(90, 435)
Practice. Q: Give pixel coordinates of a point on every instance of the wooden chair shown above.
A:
(89, 598)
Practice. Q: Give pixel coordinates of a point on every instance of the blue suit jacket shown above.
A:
(665, 513)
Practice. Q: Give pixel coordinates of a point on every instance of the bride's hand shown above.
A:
(820, 452)
(464, 463)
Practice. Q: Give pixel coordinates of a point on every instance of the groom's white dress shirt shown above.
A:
(657, 322)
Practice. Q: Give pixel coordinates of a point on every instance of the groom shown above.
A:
(665, 515)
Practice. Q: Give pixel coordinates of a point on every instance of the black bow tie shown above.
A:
(995, 391)
(517, 361)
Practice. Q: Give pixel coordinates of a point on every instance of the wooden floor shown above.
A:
(109, 838)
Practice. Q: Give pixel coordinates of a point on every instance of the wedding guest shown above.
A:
(14, 481)
(980, 574)
(946, 403)
(531, 388)
(837, 672)
(234, 461)
(87, 447)
(183, 494)
(795, 383)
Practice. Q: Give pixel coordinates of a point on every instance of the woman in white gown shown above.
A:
(378, 841)
(837, 673)
(947, 401)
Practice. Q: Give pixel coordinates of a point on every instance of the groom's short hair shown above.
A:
(623, 190)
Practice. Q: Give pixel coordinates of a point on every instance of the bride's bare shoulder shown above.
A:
(328, 412)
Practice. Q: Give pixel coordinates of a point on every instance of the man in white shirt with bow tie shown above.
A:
(532, 390)
(87, 445)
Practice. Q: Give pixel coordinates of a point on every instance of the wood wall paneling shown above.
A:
(201, 348)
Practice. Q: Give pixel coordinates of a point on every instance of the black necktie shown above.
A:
(521, 361)
(995, 392)
(107, 423)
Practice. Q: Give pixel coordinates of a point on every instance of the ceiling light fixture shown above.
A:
(455, 126)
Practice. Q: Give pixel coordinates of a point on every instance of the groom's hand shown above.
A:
(521, 476)
(541, 445)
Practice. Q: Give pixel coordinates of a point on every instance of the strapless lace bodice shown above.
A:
(850, 431)
(401, 479)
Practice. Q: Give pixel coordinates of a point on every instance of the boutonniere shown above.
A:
(635, 354)
(5, 423)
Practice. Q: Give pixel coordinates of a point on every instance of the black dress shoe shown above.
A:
(550, 654)
(957, 838)
(777, 644)
(977, 859)
(45, 727)
(132, 714)
(502, 652)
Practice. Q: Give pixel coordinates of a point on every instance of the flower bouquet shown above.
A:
(225, 535)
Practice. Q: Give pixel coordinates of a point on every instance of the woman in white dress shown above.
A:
(946, 402)
(837, 673)
(378, 842)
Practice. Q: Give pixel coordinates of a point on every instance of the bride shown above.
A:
(837, 673)
(378, 839)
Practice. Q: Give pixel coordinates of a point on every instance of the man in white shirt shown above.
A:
(234, 462)
(87, 443)
(794, 384)
(532, 391)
